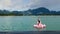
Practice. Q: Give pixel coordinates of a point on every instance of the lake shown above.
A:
(25, 23)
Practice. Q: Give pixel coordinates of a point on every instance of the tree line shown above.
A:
(37, 11)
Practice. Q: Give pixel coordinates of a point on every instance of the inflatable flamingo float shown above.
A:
(39, 25)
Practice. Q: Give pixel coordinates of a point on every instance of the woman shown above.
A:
(39, 22)
(39, 25)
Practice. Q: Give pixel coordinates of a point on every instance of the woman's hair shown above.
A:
(39, 21)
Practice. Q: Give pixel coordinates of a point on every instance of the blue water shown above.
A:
(25, 23)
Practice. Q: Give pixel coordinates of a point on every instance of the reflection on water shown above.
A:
(5, 23)
(25, 23)
(43, 29)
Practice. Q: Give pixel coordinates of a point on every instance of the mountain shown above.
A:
(37, 11)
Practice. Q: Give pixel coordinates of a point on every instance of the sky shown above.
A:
(22, 5)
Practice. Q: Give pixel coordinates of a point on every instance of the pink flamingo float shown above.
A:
(39, 25)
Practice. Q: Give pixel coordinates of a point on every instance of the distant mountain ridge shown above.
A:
(37, 11)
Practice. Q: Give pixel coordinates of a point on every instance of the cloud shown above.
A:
(18, 4)
(29, 4)
(34, 3)
(51, 4)
(5, 4)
